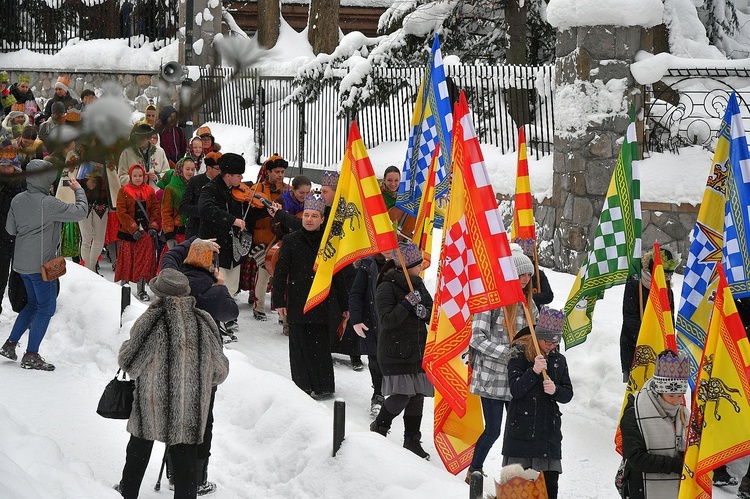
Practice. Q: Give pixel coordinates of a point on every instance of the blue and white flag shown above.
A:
(432, 122)
(737, 207)
(720, 236)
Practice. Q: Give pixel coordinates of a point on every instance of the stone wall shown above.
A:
(669, 224)
(138, 88)
(592, 69)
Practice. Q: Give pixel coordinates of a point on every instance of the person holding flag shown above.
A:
(404, 306)
(489, 352)
(309, 349)
(539, 381)
(653, 431)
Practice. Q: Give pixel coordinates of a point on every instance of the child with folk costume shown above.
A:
(653, 431)
(173, 224)
(195, 152)
(139, 216)
(533, 431)
(94, 227)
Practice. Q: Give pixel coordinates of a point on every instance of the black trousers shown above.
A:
(376, 375)
(136, 462)
(310, 358)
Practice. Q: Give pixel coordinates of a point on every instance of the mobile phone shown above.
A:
(214, 262)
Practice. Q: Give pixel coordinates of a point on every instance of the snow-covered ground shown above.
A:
(270, 439)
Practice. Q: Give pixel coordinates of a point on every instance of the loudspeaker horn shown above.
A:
(174, 72)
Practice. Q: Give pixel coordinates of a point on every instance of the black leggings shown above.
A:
(551, 478)
(411, 405)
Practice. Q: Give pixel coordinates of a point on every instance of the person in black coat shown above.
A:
(545, 295)
(10, 185)
(364, 320)
(194, 258)
(309, 346)
(653, 427)
(632, 307)
(533, 435)
(189, 203)
(402, 336)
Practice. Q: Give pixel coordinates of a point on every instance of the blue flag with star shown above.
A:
(432, 123)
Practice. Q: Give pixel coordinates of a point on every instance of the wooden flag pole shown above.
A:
(530, 322)
(538, 287)
(406, 271)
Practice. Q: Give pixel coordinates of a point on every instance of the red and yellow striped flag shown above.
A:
(426, 216)
(476, 274)
(523, 230)
(358, 225)
(656, 335)
(718, 432)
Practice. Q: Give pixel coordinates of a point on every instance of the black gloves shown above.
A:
(137, 235)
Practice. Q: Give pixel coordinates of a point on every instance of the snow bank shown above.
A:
(650, 68)
(111, 55)
(564, 14)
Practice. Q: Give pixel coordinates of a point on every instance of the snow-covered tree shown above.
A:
(721, 19)
(473, 30)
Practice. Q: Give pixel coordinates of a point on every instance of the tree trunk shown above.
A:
(323, 26)
(269, 20)
(517, 98)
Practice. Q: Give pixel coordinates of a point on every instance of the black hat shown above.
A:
(232, 163)
(276, 161)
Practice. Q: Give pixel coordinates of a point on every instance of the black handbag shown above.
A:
(17, 292)
(117, 400)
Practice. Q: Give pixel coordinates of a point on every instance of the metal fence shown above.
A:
(48, 25)
(687, 106)
(311, 133)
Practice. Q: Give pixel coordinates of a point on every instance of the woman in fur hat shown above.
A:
(139, 216)
(402, 336)
(653, 431)
(175, 355)
(489, 352)
(533, 434)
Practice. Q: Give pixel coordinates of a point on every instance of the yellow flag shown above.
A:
(358, 225)
(656, 335)
(719, 432)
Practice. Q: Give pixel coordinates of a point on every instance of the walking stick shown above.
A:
(157, 486)
(530, 322)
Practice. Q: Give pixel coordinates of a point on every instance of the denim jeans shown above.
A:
(38, 311)
(493, 421)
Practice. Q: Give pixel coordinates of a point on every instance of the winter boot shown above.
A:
(383, 422)
(356, 361)
(142, 294)
(32, 360)
(722, 478)
(204, 486)
(9, 350)
(744, 491)
(412, 436)
(232, 328)
(376, 403)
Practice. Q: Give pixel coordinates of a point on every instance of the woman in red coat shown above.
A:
(140, 218)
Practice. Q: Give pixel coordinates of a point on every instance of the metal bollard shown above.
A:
(124, 299)
(476, 485)
(339, 420)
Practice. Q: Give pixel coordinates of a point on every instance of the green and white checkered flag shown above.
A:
(616, 251)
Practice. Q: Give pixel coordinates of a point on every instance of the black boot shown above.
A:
(383, 422)
(201, 478)
(412, 436)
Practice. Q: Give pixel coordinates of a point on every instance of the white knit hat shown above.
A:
(522, 262)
